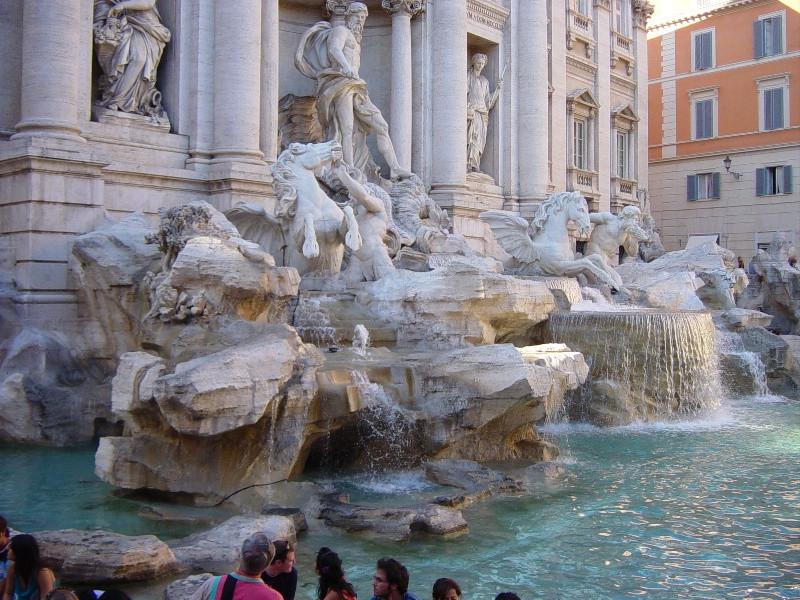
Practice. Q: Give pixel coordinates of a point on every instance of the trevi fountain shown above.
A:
(568, 411)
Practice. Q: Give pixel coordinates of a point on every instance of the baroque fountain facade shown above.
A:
(234, 324)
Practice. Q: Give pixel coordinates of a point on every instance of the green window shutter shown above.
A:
(715, 185)
(758, 39)
(777, 108)
(787, 179)
(691, 188)
(761, 182)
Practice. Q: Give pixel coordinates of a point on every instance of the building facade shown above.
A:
(571, 115)
(725, 122)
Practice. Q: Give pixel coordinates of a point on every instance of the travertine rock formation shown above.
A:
(102, 558)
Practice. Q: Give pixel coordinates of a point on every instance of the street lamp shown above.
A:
(727, 162)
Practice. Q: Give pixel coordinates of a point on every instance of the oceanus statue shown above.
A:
(543, 246)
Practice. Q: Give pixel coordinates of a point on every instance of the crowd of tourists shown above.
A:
(266, 572)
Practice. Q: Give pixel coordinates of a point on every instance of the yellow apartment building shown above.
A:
(724, 126)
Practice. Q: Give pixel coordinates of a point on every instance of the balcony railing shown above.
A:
(580, 28)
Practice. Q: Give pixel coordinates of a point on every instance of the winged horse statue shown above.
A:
(308, 230)
(543, 247)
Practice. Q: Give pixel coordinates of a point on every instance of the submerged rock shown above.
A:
(217, 550)
(395, 524)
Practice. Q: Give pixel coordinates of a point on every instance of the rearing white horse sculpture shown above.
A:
(309, 230)
(543, 247)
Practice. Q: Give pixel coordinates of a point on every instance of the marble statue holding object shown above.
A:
(543, 246)
(612, 231)
(129, 39)
(479, 103)
(330, 54)
(373, 214)
(308, 230)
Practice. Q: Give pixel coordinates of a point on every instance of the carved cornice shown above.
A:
(587, 67)
(487, 12)
(606, 4)
(412, 7)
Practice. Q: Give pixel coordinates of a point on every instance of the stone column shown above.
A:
(600, 121)
(237, 83)
(269, 83)
(449, 101)
(533, 135)
(49, 97)
(401, 102)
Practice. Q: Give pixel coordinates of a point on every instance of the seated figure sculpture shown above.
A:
(308, 230)
(129, 40)
(330, 54)
(543, 247)
(612, 231)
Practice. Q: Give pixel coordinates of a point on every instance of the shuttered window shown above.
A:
(704, 119)
(703, 186)
(703, 50)
(773, 108)
(771, 181)
(768, 36)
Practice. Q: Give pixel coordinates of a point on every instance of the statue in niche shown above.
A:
(330, 54)
(479, 103)
(373, 211)
(129, 39)
(612, 231)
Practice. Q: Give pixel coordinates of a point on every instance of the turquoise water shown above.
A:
(708, 509)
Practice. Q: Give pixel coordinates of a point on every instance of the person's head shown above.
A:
(390, 576)
(114, 594)
(446, 589)
(356, 15)
(479, 61)
(257, 553)
(506, 596)
(85, 594)
(25, 554)
(4, 533)
(61, 594)
(331, 575)
(284, 557)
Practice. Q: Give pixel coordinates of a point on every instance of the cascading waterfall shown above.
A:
(360, 340)
(731, 347)
(314, 325)
(385, 429)
(663, 362)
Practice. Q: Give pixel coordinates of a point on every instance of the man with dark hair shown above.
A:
(281, 575)
(245, 583)
(506, 596)
(5, 541)
(391, 581)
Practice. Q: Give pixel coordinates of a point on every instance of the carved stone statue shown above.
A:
(330, 53)
(612, 231)
(373, 215)
(543, 247)
(129, 39)
(479, 103)
(418, 216)
(309, 230)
